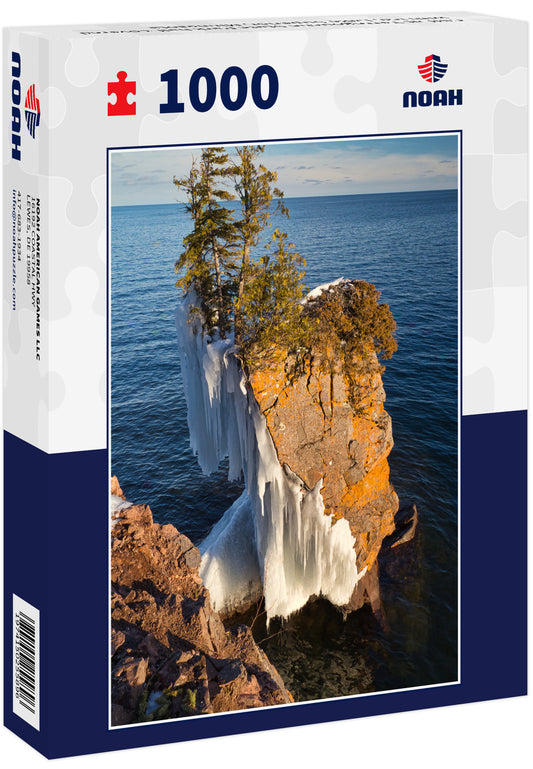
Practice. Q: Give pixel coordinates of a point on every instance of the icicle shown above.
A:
(277, 533)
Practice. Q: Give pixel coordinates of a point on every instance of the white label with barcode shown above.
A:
(26, 661)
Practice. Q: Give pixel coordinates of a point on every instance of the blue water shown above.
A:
(404, 243)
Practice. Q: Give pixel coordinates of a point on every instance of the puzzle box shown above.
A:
(265, 357)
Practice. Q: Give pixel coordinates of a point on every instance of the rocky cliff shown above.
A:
(171, 654)
(327, 419)
(309, 434)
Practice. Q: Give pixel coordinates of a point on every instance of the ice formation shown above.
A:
(316, 292)
(276, 535)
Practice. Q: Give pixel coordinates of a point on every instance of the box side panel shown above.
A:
(25, 238)
(495, 226)
(75, 617)
(25, 380)
(494, 531)
(26, 536)
(54, 550)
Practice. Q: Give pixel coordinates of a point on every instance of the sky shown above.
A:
(337, 167)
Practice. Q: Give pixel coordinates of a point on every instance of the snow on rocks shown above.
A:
(316, 292)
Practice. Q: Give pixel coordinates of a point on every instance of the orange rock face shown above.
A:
(321, 432)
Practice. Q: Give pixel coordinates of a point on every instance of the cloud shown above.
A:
(355, 168)
(304, 168)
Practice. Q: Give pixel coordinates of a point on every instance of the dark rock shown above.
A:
(367, 590)
(406, 528)
(119, 715)
(232, 671)
(399, 556)
(396, 560)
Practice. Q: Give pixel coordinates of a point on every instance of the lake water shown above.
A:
(404, 243)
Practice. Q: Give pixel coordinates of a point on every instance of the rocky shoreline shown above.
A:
(320, 517)
(171, 654)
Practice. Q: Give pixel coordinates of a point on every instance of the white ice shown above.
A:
(230, 568)
(276, 534)
(315, 293)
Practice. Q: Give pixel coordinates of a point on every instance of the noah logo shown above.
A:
(433, 70)
(15, 105)
(32, 110)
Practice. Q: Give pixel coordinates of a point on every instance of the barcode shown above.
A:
(26, 661)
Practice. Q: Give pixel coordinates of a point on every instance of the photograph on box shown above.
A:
(283, 422)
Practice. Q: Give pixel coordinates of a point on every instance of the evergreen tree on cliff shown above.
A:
(353, 322)
(254, 187)
(208, 260)
(260, 294)
(270, 309)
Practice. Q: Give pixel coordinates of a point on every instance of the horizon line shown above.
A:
(296, 197)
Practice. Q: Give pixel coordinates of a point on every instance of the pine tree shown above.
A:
(254, 187)
(191, 266)
(271, 310)
(209, 253)
(261, 296)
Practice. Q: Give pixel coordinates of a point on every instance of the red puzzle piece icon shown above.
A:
(121, 89)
